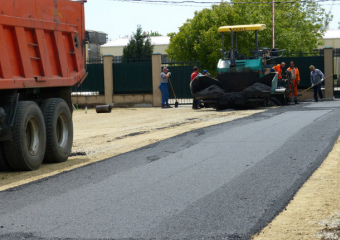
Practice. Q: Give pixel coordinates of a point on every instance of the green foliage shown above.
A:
(298, 27)
(154, 34)
(138, 47)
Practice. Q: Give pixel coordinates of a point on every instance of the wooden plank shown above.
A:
(43, 53)
(61, 53)
(6, 67)
(24, 53)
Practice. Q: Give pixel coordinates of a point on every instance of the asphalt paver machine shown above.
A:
(241, 80)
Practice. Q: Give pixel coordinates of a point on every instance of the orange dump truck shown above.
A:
(42, 55)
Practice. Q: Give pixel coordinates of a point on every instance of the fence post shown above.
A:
(156, 72)
(329, 69)
(108, 78)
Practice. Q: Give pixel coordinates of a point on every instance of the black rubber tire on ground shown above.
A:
(59, 130)
(4, 166)
(27, 149)
(274, 102)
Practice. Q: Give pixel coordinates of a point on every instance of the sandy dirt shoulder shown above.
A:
(314, 211)
(101, 136)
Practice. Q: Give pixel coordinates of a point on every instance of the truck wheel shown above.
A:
(27, 149)
(4, 166)
(59, 130)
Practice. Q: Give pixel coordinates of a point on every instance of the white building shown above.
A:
(116, 46)
(331, 39)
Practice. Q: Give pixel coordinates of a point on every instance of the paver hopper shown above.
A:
(237, 75)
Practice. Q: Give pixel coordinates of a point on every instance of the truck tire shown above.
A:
(4, 166)
(59, 130)
(27, 149)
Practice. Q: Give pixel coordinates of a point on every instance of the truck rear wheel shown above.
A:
(59, 130)
(4, 166)
(27, 149)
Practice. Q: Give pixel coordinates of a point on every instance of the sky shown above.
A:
(119, 19)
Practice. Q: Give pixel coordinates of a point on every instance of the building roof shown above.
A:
(121, 42)
(331, 34)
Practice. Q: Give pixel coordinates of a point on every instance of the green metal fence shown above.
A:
(303, 63)
(132, 77)
(94, 82)
(180, 79)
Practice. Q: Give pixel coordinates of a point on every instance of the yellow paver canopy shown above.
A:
(241, 28)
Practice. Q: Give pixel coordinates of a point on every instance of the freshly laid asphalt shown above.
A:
(222, 182)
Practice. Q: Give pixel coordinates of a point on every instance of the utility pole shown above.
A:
(273, 27)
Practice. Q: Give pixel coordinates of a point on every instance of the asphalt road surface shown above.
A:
(222, 182)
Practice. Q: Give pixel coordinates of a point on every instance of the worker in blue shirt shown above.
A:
(316, 77)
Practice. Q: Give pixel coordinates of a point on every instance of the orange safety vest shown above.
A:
(278, 69)
(296, 76)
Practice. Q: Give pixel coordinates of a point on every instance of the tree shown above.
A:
(298, 27)
(154, 34)
(138, 47)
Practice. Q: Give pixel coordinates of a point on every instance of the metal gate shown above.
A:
(180, 79)
(336, 76)
(132, 77)
(94, 82)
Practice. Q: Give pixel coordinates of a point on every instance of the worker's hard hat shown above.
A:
(311, 67)
(165, 68)
(205, 71)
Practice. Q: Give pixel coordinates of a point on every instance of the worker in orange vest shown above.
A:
(295, 80)
(278, 68)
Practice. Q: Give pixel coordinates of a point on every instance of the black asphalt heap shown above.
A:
(211, 89)
(233, 96)
(221, 182)
(258, 87)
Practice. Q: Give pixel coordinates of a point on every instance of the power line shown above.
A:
(195, 3)
(166, 3)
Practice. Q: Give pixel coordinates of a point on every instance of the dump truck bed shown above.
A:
(41, 43)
